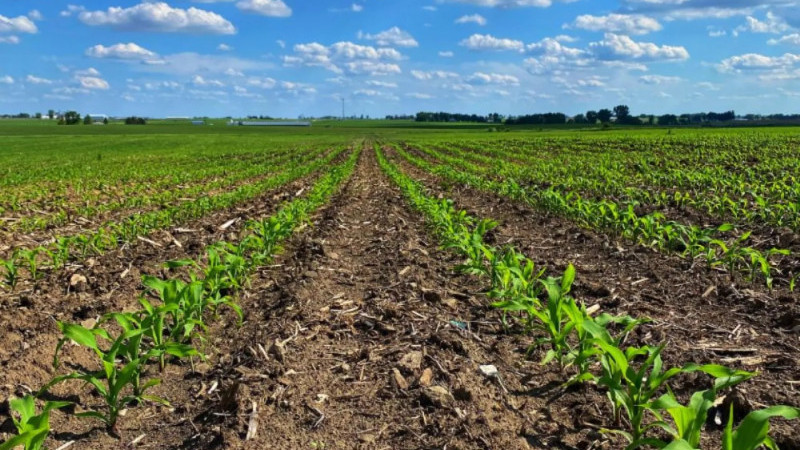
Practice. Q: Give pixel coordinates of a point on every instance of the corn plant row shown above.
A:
(109, 236)
(123, 179)
(691, 241)
(633, 378)
(128, 344)
(132, 196)
(86, 164)
(719, 179)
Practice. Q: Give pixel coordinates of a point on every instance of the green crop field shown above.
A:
(389, 285)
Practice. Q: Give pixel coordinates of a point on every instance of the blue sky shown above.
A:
(300, 57)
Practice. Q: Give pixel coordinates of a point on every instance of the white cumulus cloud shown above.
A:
(617, 23)
(434, 74)
(271, 8)
(159, 17)
(487, 42)
(93, 83)
(473, 18)
(120, 51)
(200, 81)
(33, 79)
(19, 24)
(505, 3)
(658, 79)
(393, 37)
(790, 39)
(493, 78)
(756, 61)
(621, 47)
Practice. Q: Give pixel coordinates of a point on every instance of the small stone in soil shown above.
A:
(399, 380)
(426, 378)
(411, 361)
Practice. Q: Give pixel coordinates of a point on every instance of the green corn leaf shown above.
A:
(753, 431)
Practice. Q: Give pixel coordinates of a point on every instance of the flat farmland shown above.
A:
(351, 286)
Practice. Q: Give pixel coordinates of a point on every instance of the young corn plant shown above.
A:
(31, 257)
(151, 343)
(689, 420)
(515, 284)
(11, 275)
(182, 306)
(32, 428)
(753, 431)
(586, 328)
(471, 245)
(59, 253)
(632, 386)
(554, 322)
(115, 380)
(759, 263)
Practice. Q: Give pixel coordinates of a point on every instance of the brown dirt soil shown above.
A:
(362, 336)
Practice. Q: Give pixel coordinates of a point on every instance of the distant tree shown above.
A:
(38, 115)
(105, 121)
(604, 115)
(622, 113)
(70, 118)
(580, 118)
(668, 119)
(591, 117)
(51, 114)
(88, 120)
(133, 120)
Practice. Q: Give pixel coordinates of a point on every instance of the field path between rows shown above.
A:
(367, 355)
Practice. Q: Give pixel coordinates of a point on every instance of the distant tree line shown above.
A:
(620, 114)
(537, 119)
(449, 117)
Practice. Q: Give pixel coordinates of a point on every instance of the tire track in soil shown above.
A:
(363, 302)
(625, 278)
(29, 329)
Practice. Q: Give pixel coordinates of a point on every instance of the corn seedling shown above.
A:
(753, 431)
(112, 382)
(11, 275)
(553, 319)
(689, 420)
(31, 258)
(32, 428)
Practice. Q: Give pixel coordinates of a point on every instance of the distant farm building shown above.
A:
(270, 123)
(198, 122)
(98, 119)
